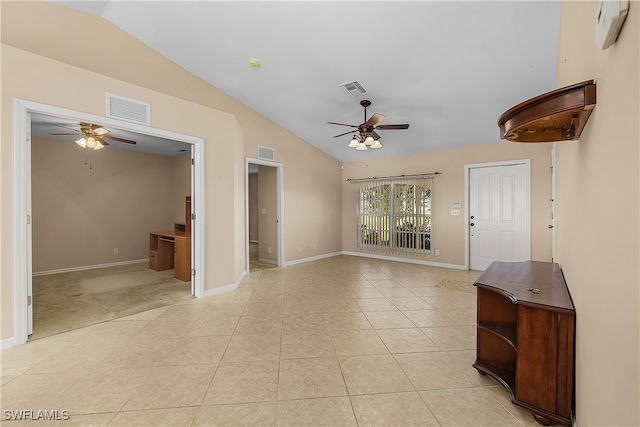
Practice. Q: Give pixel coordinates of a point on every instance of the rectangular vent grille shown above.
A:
(354, 88)
(266, 153)
(128, 109)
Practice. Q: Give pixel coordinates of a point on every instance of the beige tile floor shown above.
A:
(340, 341)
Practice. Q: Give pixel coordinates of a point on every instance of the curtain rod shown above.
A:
(375, 178)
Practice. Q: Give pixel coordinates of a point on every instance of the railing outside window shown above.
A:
(395, 216)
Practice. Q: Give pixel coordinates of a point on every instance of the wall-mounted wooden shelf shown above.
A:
(559, 115)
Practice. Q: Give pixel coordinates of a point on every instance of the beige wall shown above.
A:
(448, 232)
(598, 215)
(80, 215)
(267, 235)
(309, 173)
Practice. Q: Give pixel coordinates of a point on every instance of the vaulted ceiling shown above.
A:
(449, 68)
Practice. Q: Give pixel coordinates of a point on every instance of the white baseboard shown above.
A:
(7, 343)
(313, 258)
(253, 241)
(407, 260)
(226, 288)
(89, 267)
(267, 261)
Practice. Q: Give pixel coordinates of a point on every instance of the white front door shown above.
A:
(499, 215)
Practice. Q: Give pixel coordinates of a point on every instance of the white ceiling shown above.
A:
(449, 68)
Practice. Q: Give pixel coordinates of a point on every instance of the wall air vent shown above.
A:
(354, 89)
(266, 153)
(128, 109)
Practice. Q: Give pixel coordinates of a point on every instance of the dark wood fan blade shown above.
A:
(341, 124)
(376, 118)
(389, 127)
(375, 135)
(101, 140)
(115, 138)
(346, 133)
(77, 133)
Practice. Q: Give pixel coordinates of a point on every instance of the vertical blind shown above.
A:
(394, 215)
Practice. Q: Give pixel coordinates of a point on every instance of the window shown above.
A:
(395, 216)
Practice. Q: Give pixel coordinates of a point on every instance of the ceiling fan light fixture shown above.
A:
(91, 142)
(98, 146)
(82, 142)
(364, 138)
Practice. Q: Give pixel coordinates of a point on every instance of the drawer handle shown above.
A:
(534, 290)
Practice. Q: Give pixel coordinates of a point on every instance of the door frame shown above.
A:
(467, 198)
(22, 244)
(279, 208)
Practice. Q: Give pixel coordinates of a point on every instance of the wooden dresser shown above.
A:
(525, 336)
(172, 248)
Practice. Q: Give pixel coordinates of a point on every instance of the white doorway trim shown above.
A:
(22, 198)
(279, 207)
(467, 170)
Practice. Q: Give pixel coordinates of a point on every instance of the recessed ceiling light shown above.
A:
(254, 63)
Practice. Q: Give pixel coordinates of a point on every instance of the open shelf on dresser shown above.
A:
(525, 336)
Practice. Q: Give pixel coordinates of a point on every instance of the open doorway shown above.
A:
(116, 279)
(92, 212)
(264, 214)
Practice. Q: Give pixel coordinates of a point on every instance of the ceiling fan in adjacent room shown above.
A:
(366, 136)
(92, 136)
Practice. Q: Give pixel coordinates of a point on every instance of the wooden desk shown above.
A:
(171, 249)
(525, 338)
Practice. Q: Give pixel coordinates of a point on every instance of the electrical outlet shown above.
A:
(116, 251)
(437, 252)
(269, 249)
(299, 249)
(315, 247)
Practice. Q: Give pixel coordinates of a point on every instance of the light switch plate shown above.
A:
(455, 212)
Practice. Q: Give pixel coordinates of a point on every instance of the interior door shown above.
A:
(498, 215)
(189, 219)
(29, 254)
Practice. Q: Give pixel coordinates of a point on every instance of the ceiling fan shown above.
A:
(93, 136)
(367, 136)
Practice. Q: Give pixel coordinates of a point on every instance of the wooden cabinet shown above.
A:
(525, 336)
(183, 258)
(172, 248)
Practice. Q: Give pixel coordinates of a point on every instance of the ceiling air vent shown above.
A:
(266, 153)
(354, 89)
(128, 109)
